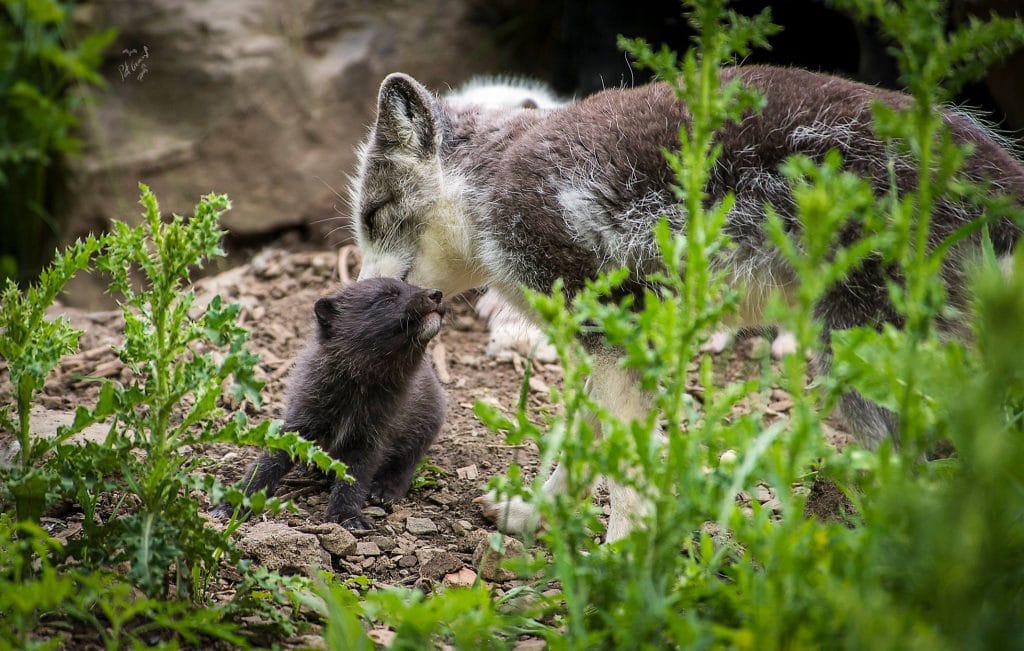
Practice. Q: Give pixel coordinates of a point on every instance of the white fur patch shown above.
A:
(624, 238)
(513, 515)
(784, 344)
(511, 333)
(381, 265)
(431, 326)
(516, 515)
(717, 342)
(447, 247)
(504, 92)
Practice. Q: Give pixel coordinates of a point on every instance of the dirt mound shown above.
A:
(430, 536)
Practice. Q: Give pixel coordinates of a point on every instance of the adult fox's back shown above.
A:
(577, 190)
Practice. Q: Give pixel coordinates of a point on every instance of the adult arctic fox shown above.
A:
(460, 197)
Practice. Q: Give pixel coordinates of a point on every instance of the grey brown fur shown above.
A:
(461, 196)
(364, 391)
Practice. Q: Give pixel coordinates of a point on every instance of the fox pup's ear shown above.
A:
(405, 115)
(326, 312)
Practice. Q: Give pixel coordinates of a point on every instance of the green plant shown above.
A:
(39, 75)
(32, 346)
(702, 570)
(138, 489)
(426, 475)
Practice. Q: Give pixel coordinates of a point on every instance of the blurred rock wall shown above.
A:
(260, 99)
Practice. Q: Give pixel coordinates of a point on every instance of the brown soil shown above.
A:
(277, 290)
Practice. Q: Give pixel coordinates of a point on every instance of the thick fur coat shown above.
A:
(460, 196)
(364, 391)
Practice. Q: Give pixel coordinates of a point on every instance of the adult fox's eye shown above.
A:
(371, 216)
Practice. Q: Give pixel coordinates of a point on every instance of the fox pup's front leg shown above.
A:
(266, 472)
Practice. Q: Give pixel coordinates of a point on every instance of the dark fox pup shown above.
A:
(364, 391)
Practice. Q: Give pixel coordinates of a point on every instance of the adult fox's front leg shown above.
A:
(618, 392)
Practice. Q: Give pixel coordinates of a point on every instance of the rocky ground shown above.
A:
(437, 534)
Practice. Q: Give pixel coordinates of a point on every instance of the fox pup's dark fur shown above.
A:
(364, 391)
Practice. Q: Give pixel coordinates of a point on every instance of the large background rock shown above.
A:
(259, 99)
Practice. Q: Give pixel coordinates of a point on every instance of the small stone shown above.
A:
(367, 548)
(420, 526)
(728, 458)
(464, 578)
(441, 498)
(784, 404)
(385, 543)
(763, 493)
(309, 642)
(382, 636)
(279, 547)
(440, 564)
(467, 472)
(409, 560)
(398, 515)
(492, 401)
(424, 554)
(538, 385)
(374, 512)
(757, 348)
(338, 540)
(462, 527)
(488, 561)
(468, 542)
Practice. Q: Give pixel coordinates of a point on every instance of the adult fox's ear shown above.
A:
(406, 116)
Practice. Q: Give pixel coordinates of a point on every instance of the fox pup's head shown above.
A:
(379, 322)
(410, 218)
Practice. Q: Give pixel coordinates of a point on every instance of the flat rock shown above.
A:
(278, 547)
(420, 526)
(488, 561)
(440, 564)
(538, 385)
(442, 498)
(409, 560)
(367, 548)
(45, 422)
(757, 348)
(467, 472)
(463, 578)
(338, 540)
(385, 543)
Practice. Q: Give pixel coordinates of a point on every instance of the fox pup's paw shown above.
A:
(353, 522)
(383, 493)
(513, 515)
(222, 511)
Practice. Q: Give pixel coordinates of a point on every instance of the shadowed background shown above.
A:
(265, 101)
